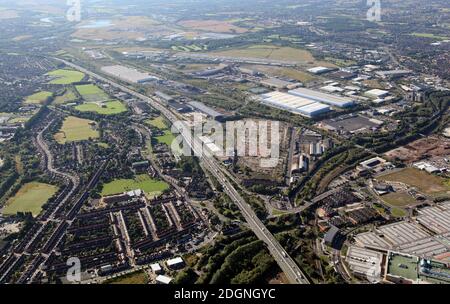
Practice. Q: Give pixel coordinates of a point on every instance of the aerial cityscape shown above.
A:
(224, 142)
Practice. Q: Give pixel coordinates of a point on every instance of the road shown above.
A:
(73, 181)
(65, 176)
(290, 155)
(294, 274)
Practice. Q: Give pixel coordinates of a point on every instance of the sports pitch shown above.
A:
(38, 98)
(157, 122)
(30, 198)
(403, 266)
(105, 108)
(137, 278)
(68, 96)
(92, 93)
(76, 129)
(143, 182)
(399, 199)
(66, 76)
(167, 138)
(425, 182)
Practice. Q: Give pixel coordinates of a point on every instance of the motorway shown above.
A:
(286, 263)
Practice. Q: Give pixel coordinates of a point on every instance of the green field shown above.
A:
(190, 48)
(68, 96)
(167, 138)
(425, 182)
(399, 199)
(157, 122)
(161, 124)
(150, 186)
(103, 145)
(92, 93)
(88, 89)
(398, 212)
(403, 266)
(19, 119)
(105, 108)
(66, 76)
(429, 35)
(38, 98)
(30, 198)
(76, 129)
(135, 278)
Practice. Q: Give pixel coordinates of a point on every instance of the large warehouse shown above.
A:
(294, 104)
(332, 100)
(127, 74)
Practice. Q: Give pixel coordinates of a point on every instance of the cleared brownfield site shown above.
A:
(421, 149)
(425, 182)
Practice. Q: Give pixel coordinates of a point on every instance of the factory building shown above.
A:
(175, 263)
(314, 109)
(332, 100)
(211, 72)
(376, 93)
(164, 96)
(294, 104)
(127, 74)
(275, 83)
(393, 74)
(207, 110)
(316, 148)
(303, 163)
(319, 70)
(365, 263)
(180, 107)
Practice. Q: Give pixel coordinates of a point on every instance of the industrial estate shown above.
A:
(97, 168)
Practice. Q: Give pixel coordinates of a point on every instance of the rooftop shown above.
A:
(205, 109)
(175, 261)
(365, 262)
(163, 279)
(127, 74)
(155, 267)
(275, 82)
(330, 99)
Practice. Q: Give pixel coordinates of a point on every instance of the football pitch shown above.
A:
(30, 198)
(105, 108)
(66, 76)
(92, 93)
(76, 129)
(143, 182)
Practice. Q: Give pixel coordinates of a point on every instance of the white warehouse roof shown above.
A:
(377, 93)
(155, 267)
(294, 104)
(331, 88)
(287, 99)
(163, 279)
(319, 70)
(329, 99)
(127, 74)
(175, 261)
(314, 109)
